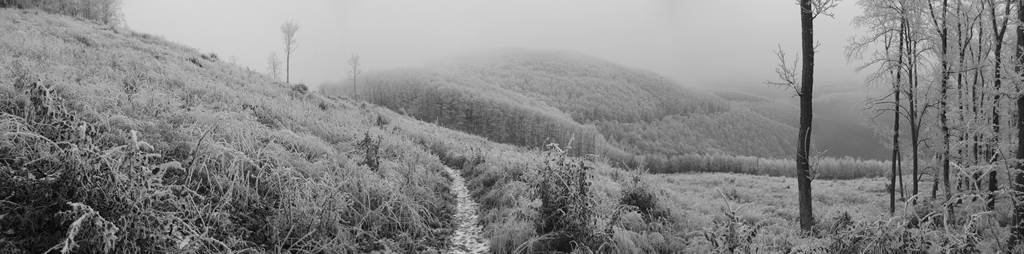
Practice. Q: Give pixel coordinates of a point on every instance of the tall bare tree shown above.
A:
(999, 31)
(355, 71)
(885, 21)
(288, 29)
(941, 24)
(804, 87)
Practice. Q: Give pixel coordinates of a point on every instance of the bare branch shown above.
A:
(787, 74)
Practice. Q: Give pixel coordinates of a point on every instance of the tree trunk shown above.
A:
(287, 67)
(994, 145)
(943, 104)
(803, 166)
(896, 126)
(915, 125)
(998, 33)
(895, 151)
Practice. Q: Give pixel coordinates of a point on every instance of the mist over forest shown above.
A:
(689, 41)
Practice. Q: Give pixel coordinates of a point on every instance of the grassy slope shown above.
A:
(240, 161)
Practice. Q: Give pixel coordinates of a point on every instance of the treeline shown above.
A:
(102, 11)
(823, 168)
(738, 131)
(505, 118)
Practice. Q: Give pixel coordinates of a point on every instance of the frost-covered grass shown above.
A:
(712, 212)
(702, 196)
(120, 141)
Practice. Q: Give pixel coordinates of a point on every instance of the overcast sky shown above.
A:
(698, 42)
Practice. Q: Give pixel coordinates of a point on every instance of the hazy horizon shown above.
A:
(700, 44)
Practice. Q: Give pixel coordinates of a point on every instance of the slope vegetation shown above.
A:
(114, 140)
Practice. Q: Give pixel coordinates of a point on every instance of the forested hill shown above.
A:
(534, 97)
(585, 87)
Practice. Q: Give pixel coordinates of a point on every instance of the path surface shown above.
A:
(468, 235)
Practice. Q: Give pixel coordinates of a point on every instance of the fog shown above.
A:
(699, 43)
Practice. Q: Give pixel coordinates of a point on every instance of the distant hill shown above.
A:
(534, 97)
(585, 87)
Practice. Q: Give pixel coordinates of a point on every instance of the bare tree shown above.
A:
(999, 31)
(288, 29)
(941, 25)
(804, 87)
(274, 66)
(885, 21)
(355, 71)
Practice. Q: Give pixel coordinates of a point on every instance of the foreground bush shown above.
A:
(566, 204)
(74, 184)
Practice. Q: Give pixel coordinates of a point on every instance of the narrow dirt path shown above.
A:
(468, 235)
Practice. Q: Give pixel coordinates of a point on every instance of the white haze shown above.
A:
(697, 42)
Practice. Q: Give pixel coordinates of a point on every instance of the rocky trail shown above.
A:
(468, 234)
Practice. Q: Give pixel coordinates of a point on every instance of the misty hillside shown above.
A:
(842, 123)
(585, 87)
(564, 95)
